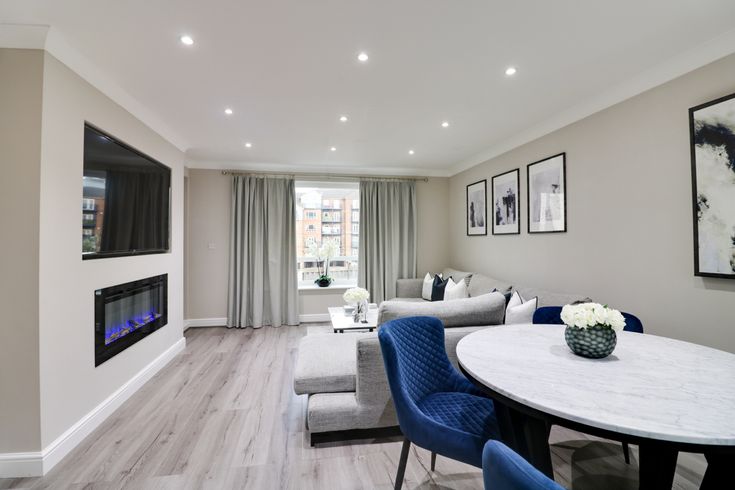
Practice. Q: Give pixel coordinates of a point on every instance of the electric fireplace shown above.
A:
(126, 313)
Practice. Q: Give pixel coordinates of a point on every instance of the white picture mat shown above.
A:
(546, 195)
(507, 214)
(476, 208)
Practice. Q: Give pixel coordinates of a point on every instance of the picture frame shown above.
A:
(476, 205)
(546, 198)
(506, 202)
(712, 146)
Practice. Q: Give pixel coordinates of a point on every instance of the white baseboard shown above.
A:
(205, 322)
(39, 463)
(17, 465)
(221, 322)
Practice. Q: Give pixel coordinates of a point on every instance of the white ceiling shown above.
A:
(288, 69)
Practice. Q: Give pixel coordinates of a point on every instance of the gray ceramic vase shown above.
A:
(592, 342)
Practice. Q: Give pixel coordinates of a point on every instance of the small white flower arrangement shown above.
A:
(587, 315)
(356, 295)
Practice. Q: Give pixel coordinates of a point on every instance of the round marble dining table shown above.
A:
(663, 394)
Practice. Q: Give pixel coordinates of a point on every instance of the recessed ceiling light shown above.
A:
(186, 40)
(445, 124)
(510, 71)
(363, 57)
(228, 111)
(343, 118)
(333, 149)
(411, 152)
(248, 145)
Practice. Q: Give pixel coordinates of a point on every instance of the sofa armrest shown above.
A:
(409, 288)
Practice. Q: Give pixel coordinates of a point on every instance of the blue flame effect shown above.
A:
(116, 332)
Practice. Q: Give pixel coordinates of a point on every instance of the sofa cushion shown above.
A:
(550, 298)
(327, 363)
(457, 275)
(487, 309)
(481, 284)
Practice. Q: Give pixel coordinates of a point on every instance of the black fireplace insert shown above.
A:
(126, 313)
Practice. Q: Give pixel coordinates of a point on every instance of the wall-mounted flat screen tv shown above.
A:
(125, 201)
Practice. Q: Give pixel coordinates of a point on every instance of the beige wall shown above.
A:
(208, 242)
(21, 85)
(71, 386)
(208, 226)
(629, 202)
(433, 222)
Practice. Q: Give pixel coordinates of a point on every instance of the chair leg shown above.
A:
(626, 453)
(402, 464)
(433, 461)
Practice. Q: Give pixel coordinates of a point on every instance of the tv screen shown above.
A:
(125, 202)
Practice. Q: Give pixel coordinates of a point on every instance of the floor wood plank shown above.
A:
(223, 415)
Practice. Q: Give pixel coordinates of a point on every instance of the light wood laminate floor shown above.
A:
(223, 415)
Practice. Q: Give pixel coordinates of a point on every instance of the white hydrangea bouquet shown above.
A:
(591, 329)
(587, 315)
(359, 297)
(355, 295)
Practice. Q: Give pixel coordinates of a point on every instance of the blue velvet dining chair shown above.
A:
(551, 315)
(438, 409)
(503, 469)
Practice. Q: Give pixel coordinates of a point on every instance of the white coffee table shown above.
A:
(342, 320)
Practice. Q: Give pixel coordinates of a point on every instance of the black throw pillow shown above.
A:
(507, 295)
(437, 289)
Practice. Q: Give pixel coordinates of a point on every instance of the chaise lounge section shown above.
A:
(343, 374)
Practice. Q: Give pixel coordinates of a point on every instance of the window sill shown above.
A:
(333, 287)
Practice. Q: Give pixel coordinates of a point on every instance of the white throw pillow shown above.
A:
(455, 290)
(519, 310)
(427, 286)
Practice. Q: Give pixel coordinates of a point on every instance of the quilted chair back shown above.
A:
(503, 469)
(551, 315)
(415, 358)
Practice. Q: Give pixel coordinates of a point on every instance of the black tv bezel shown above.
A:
(130, 253)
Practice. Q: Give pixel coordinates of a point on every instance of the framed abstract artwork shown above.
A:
(712, 141)
(547, 195)
(477, 208)
(506, 203)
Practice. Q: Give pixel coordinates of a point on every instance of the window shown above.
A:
(327, 212)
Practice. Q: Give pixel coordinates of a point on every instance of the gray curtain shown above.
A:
(262, 287)
(387, 249)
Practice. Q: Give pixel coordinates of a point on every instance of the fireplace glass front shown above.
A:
(126, 313)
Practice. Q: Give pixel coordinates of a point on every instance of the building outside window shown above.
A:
(327, 212)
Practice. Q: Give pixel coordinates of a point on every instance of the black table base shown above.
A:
(526, 431)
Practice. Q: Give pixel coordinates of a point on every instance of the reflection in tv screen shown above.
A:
(125, 201)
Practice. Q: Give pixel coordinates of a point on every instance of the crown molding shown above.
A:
(27, 36)
(327, 169)
(23, 36)
(58, 47)
(666, 71)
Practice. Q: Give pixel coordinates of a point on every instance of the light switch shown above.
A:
(211, 246)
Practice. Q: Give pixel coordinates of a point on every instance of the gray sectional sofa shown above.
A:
(343, 374)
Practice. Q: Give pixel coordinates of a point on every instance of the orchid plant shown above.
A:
(323, 255)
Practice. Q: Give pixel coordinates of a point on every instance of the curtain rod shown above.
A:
(318, 176)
